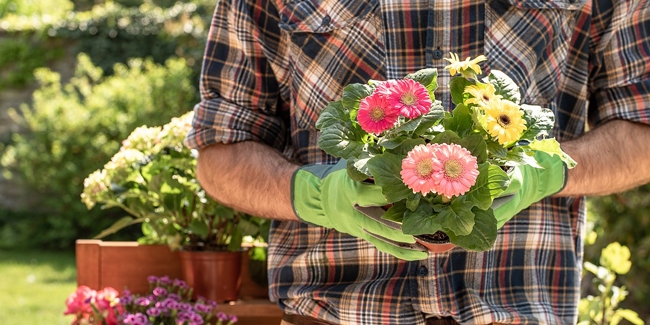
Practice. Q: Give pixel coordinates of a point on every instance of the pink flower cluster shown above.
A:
(445, 169)
(379, 111)
(85, 304)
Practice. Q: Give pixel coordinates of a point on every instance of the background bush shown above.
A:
(74, 128)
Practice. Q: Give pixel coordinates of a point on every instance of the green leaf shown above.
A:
(552, 147)
(431, 118)
(340, 142)
(352, 95)
(333, 114)
(495, 149)
(446, 137)
(457, 217)
(520, 156)
(539, 122)
(461, 121)
(504, 86)
(490, 183)
(198, 227)
(476, 145)
(385, 169)
(427, 77)
(235, 240)
(248, 228)
(406, 146)
(358, 169)
(395, 212)
(457, 88)
(119, 225)
(421, 221)
(483, 235)
(413, 201)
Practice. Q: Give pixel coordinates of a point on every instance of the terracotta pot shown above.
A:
(213, 275)
(435, 243)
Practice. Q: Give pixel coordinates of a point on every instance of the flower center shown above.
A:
(504, 120)
(453, 168)
(408, 98)
(377, 114)
(424, 168)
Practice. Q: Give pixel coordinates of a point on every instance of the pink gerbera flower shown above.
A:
(410, 97)
(455, 170)
(418, 169)
(375, 115)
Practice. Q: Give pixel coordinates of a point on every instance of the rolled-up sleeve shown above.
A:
(620, 79)
(240, 78)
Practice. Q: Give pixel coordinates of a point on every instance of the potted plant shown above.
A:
(153, 178)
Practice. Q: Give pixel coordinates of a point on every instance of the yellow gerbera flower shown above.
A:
(468, 68)
(505, 121)
(481, 94)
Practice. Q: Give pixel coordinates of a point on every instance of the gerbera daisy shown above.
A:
(505, 121)
(375, 115)
(464, 67)
(481, 94)
(417, 169)
(410, 97)
(455, 170)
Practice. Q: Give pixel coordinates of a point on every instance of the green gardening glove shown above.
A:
(324, 195)
(529, 185)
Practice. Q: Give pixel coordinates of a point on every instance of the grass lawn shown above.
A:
(34, 287)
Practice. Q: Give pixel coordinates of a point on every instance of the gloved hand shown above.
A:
(324, 195)
(529, 185)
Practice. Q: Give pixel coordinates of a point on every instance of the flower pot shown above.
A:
(435, 243)
(213, 275)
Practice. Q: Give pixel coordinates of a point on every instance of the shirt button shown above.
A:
(437, 54)
(422, 270)
(326, 21)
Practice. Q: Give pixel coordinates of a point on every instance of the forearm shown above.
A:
(249, 177)
(612, 158)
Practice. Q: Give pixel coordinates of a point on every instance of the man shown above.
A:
(272, 66)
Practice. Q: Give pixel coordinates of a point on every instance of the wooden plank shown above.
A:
(87, 259)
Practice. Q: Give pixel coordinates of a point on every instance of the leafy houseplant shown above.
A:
(439, 171)
(152, 177)
(168, 302)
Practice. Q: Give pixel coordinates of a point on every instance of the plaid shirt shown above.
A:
(271, 66)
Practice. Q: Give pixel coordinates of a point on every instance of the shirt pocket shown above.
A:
(530, 39)
(330, 44)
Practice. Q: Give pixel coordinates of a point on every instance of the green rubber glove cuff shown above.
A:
(529, 185)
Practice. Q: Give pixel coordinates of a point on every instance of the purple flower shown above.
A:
(174, 296)
(233, 319)
(152, 279)
(170, 304)
(185, 306)
(142, 301)
(164, 280)
(128, 318)
(180, 283)
(201, 308)
(126, 300)
(196, 319)
(183, 316)
(159, 292)
(153, 311)
(222, 316)
(213, 303)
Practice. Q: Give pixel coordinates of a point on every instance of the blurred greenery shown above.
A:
(35, 286)
(74, 128)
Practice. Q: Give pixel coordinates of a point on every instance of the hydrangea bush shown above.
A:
(440, 171)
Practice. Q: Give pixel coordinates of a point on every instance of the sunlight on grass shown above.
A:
(34, 287)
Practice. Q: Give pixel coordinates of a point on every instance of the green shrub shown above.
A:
(20, 56)
(73, 129)
(625, 218)
(53, 8)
